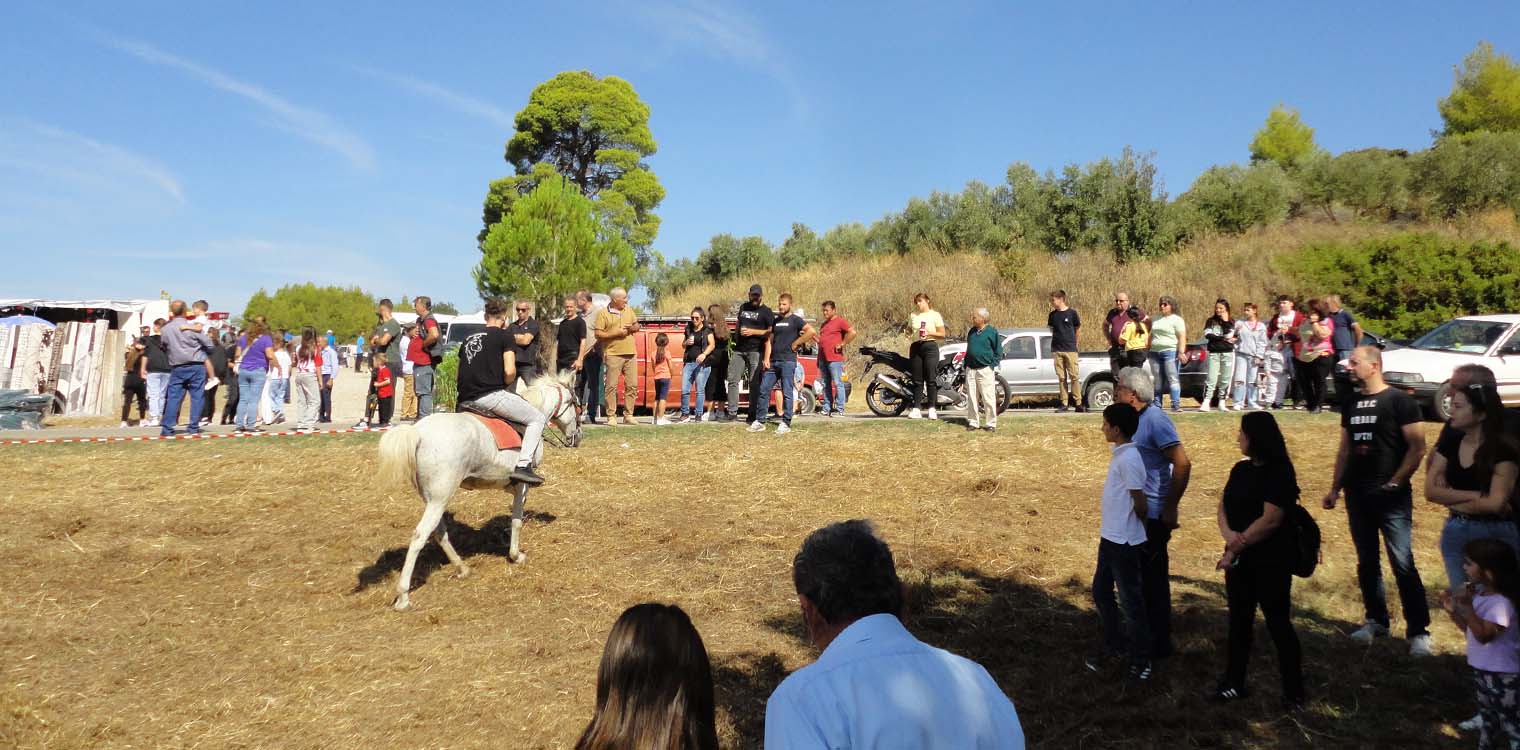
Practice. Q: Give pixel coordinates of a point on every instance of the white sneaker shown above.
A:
(706, 416)
(1205, 407)
(664, 421)
(755, 427)
(933, 414)
(783, 429)
(1420, 645)
(1370, 630)
(212, 383)
(123, 425)
(915, 414)
(1473, 724)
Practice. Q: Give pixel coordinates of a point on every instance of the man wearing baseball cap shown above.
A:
(755, 322)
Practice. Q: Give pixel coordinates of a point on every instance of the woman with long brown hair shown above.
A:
(255, 351)
(654, 689)
(134, 384)
(717, 388)
(308, 389)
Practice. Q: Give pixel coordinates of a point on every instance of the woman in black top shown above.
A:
(697, 346)
(717, 388)
(1219, 340)
(134, 384)
(1472, 472)
(1259, 556)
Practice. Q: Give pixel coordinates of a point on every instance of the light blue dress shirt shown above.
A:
(878, 687)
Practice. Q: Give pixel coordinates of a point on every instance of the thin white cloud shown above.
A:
(726, 33)
(462, 103)
(110, 158)
(314, 126)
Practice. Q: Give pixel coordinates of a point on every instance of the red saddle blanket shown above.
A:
(506, 437)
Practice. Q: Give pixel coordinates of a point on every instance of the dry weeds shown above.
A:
(235, 595)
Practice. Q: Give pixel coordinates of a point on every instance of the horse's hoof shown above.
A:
(402, 603)
(464, 572)
(518, 558)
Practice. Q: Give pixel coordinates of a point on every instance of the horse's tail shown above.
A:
(398, 456)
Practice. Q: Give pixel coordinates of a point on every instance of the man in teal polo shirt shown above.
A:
(983, 353)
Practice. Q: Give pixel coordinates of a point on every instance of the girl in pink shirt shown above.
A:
(1485, 610)
(661, 378)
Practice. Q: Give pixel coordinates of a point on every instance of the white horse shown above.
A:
(447, 450)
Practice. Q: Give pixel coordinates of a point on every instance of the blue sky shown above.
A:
(212, 148)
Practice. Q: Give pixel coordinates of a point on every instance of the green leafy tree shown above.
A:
(1485, 94)
(801, 249)
(550, 244)
(1466, 174)
(1283, 140)
(595, 133)
(1233, 198)
(1373, 181)
(345, 310)
(445, 308)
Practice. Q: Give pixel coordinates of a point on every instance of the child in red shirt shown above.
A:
(382, 391)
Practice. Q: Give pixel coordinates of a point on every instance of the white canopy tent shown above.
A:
(128, 315)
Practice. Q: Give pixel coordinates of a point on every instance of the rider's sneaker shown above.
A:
(526, 475)
(783, 429)
(915, 414)
(933, 414)
(755, 427)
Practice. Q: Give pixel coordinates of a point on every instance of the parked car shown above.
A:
(1029, 367)
(1193, 369)
(1423, 369)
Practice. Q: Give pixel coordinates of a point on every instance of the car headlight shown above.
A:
(1404, 377)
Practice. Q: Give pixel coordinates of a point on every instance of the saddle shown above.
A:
(508, 435)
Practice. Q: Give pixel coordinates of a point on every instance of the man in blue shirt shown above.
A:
(1167, 470)
(875, 685)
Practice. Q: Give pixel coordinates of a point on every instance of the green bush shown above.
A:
(1405, 284)
(446, 381)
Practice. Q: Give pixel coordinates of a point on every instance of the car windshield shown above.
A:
(1464, 336)
(458, 332)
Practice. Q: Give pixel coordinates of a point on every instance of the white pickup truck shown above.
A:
(1423, 369)
(1029, 367)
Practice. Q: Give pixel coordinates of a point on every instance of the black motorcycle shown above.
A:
(891, 393)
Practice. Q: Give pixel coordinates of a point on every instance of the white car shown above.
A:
(1423, 369)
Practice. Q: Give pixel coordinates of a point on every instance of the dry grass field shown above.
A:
(234, 594)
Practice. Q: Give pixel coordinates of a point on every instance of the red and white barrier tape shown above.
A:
(187, 436)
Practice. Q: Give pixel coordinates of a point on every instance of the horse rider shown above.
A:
(486, 367)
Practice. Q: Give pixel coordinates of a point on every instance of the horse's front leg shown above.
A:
(519, 499)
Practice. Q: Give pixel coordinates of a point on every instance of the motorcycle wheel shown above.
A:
(1004, 395)
(883, 402)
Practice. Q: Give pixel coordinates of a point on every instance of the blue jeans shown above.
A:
(832, 375)
(278, 389)
(1164, 372)
(422, 385)
(694, 376)
(191, 377)
(759, 401)
(1246, 393)
(1372, 512)
(1119, 568)
(1458, 531)
(250, 390)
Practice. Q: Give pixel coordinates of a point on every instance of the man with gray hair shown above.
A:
(983, 354)
(615, 326)
(1167, 470)
(186, 349)
(875, 685)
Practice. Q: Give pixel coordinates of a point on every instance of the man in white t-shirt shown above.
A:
(1120, 550)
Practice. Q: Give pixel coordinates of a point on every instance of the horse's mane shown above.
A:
(535, 389)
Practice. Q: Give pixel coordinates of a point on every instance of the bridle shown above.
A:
(560, 404)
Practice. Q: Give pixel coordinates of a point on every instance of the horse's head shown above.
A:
(567, 415)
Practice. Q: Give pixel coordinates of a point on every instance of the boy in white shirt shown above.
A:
(1120, 551)
(199, 323)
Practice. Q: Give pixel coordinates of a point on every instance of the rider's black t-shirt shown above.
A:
(480, 363)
